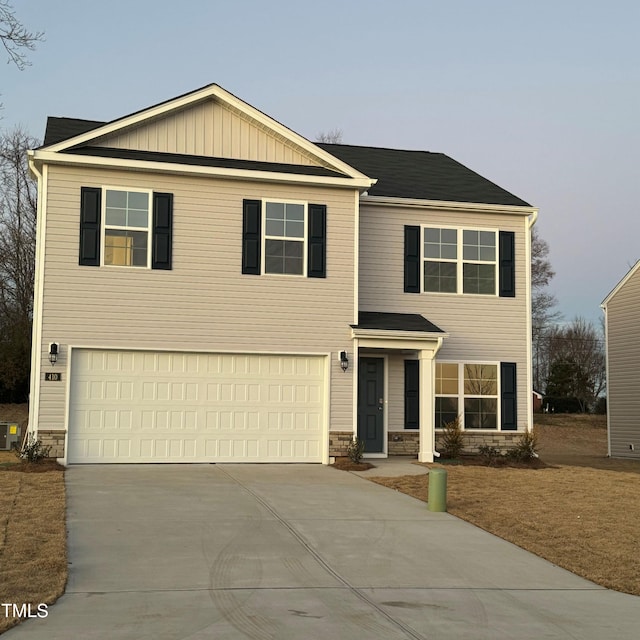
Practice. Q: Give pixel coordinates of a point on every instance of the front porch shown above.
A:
(394, 365)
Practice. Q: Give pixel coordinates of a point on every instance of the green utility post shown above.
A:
(437, 499)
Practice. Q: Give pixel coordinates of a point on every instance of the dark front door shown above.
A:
(371, 404)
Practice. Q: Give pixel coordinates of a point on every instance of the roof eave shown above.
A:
(480, 207)
(392, 334)
(67, 159)
(620, 284)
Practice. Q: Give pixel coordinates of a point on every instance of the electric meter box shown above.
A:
(9, 435)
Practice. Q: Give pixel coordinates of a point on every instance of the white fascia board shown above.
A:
(396, 335)
(620, 284)
(444, 204)
(213, 91)
(69, 159)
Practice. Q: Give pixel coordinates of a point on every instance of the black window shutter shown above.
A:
(507, 264)
(317, 239)
(251, 236)
(411, 394)
(411, 259)
(509, 399)
(90, 208)
(162, 230)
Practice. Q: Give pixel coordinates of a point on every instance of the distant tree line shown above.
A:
(568, 360)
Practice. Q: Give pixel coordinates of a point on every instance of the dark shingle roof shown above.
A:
(59, 129)
(206, 161)
(401, 174)
(422, 175)
(395, 322)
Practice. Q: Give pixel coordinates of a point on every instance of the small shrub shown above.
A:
(33, 450)
(526, 447)
(489, 454)
(452, 441)
(355, 450)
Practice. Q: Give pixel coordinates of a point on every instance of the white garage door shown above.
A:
(134, 406)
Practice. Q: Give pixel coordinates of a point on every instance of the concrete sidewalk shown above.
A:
(299, 551)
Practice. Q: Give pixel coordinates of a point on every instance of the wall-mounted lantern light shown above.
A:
(54, 349)
(344, 360)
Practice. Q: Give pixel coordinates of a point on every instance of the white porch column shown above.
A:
(427, 407)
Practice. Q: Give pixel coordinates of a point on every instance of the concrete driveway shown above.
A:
(302, 552)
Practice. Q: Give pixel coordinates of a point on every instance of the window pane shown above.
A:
(480, 413)
(470, 252)
(479, 278)
(116, 217)
(481, 379)
(295, 212)
(446, 411)
(284, 256)
(449, 236)
(487, 239)
(275, 227)
(138, 219)
(488, 253)
(125, 248)
(440, 277)
(138, 200)
(294, 229)
(470, 238)
(446, 378)
(440, 243)
(116, 199)
(432, 235)
(275, 210)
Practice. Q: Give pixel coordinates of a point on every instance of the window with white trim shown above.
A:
(468, 391)
(284, 238)
(459, 260)
(127, 228)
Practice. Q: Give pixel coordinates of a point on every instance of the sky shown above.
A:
(542, 98)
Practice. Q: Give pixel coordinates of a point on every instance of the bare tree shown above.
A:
(543, 313)
(16, 38)
(18, 206)
(577, 362)
(333, 136)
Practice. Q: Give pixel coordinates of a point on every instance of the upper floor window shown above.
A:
(459, 261)
(284, 238)
(127, 227)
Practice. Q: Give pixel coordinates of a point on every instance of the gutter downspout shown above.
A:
(532, 220)
(38, 292)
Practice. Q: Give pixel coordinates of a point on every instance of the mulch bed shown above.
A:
(345, 464)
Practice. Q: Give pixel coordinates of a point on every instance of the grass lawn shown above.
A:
(33, 551)
(580, 512)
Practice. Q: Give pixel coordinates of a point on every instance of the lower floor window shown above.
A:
(467, 391)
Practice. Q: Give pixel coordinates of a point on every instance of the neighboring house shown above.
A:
(622, 333)
(537, 399)
(214, 287)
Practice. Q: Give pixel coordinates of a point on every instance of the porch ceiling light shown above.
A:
(344, 360)
(53, 352)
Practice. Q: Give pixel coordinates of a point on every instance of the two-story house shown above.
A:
(213, 287)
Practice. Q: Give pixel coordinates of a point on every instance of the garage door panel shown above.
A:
(195, 407)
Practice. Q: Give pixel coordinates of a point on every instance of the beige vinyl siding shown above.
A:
(481, 328)
(623, 355)
(395, 391)
(211, 129)
(204, 303)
